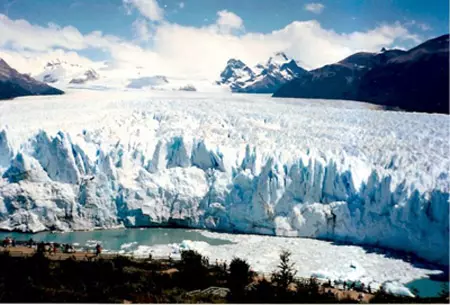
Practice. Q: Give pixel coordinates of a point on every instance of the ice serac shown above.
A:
(57, 183)
(6, 152)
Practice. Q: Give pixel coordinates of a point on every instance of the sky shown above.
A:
(195, 38)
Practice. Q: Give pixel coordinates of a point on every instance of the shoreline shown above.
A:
(399, 254)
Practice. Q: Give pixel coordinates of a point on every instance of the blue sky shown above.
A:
(343, 26)
(259, 15)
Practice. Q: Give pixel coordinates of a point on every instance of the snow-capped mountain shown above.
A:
(89, 75)
(263, 78)
(61, 72)
(14, 84)
(236, 71)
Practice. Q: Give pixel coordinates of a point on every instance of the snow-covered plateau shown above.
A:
(238, 163)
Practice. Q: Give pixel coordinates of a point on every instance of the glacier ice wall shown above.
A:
(232, 171)
(55, 184)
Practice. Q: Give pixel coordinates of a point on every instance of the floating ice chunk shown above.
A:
(396, 288)
(128, 246)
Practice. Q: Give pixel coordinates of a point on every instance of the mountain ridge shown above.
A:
(14, 84)
(263, 78)
(391, 78)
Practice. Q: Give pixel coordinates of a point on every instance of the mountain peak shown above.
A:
(235, 63)
(235, 70)
(281, 55)
(262, 78)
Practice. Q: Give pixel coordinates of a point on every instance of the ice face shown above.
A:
(312, 168)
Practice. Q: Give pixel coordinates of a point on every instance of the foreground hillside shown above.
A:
(414, 80)
(13, 84)
(323, 169)
(84, 278)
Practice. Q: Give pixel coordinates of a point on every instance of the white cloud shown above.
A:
(228, 21)
(316, 8)
(141, 30)
(202, 51)
(424, 27)
(420, 25)
(181, 5)
(148, 8)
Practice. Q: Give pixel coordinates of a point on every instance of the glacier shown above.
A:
(334, 170)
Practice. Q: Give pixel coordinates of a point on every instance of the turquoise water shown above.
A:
(427, 287)
(113, 239)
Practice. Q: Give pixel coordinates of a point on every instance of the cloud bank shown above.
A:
(171, 49)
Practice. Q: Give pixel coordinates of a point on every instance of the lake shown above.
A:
(112, 240)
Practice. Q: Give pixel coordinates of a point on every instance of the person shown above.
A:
(5, 242)
(13, 242)
(369, 289)
(98, 250)
(345, 285)
(31, 243)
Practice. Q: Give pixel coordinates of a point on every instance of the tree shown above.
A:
(285, 274)
(194, 270)
(239, 277)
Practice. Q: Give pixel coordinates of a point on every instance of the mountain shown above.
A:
(14, 84)
(336, 81)
(392, 78)
(263, 78)
(89, 75)
(417, 80)
(236, 71)
(62, 72)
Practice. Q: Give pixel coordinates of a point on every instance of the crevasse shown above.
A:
(54, 183)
